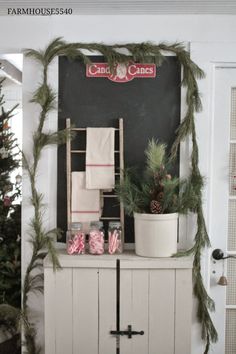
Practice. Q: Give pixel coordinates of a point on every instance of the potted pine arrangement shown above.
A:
(154, 199)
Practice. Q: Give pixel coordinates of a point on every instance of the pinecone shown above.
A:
(155, 207)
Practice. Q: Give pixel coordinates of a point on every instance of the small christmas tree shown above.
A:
(10, 218)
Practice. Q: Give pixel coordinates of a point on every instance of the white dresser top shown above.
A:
(128, 260)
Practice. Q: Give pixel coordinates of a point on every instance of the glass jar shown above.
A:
(114, 237)
(96, 238)
(75, 239)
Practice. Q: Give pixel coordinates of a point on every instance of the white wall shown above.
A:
(36, 32)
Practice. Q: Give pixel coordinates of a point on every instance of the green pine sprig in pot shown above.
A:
(155, 199)
(155, 191)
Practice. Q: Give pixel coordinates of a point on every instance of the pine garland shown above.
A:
(45, 97)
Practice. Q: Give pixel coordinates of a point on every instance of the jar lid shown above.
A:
(76, 225)
(98, 224)
(115, 224)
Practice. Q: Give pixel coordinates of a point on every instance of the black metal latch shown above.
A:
(128, 333)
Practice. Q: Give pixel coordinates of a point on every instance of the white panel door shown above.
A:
(85, 311)
(223, 206)
(147, 302)
(134, 307)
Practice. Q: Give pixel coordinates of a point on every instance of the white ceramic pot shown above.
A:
(156, 234)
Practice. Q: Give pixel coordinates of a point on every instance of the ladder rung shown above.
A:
(108, 195)
(84, 129)
(109, 218)
(84, 151)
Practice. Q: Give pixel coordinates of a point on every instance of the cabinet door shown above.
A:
(147, 302)
(71, 311)
(157, 301)
(94, 311)
(80, 311)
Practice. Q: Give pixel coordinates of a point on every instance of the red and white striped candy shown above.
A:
(114, 242)
(96, 242)
(77, 244)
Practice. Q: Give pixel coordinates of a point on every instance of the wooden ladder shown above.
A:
(119, 173)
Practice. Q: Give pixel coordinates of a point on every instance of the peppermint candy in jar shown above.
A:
(96, 238)
(75, 239)
(114, 237)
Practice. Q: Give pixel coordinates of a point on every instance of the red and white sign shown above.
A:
(123, 72)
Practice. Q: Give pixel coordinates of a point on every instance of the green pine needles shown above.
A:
(45, 97)
(10, 232)
(156, 156)
(154, 191)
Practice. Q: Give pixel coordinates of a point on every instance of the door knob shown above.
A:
(218, 254)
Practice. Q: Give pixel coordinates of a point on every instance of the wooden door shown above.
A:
(223, 206)
(157, 301)
(80, 308)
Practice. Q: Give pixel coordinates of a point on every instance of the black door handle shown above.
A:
(128, 333)
(218, 254)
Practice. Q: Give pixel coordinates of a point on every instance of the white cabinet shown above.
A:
(89, 297)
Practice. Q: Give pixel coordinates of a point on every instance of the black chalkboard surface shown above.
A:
(149, 107)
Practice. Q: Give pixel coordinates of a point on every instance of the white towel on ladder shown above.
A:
(100, 159)
(85, 204)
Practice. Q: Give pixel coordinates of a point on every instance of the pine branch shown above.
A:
(155, 155)
(36, 55)
(52, 252)
(56, 138)
(36, 282)
(129, 194)
(45, 97)
(171, 191)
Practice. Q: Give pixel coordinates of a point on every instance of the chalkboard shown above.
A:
(150, 108)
